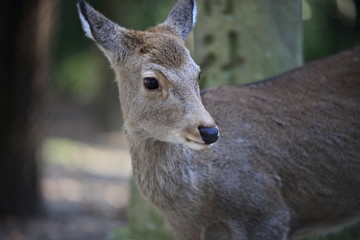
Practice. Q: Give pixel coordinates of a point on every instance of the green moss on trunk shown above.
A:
(241, 41)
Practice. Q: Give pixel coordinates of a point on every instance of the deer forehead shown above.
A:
(158, 46)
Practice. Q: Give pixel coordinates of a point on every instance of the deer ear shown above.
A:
(182, 17)
(100, 29)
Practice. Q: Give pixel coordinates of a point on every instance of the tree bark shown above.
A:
(24, 41)
(241, 41)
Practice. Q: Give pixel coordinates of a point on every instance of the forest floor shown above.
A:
(84, 180)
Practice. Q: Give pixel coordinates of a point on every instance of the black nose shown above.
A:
(209, 134)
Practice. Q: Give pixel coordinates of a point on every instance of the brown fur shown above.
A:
(158, 45)
(305, 126)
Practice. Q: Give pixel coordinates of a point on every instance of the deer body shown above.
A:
(288, 159)
(295, 153)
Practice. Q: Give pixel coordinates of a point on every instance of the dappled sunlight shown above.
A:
(347, 8)
(85, 176)
(67, 189)
(94, 159)
(306, 10)
(62, 189)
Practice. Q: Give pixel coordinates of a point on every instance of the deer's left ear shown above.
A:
(182, 17)
(104, 32)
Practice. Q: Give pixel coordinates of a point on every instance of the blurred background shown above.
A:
(64, 162)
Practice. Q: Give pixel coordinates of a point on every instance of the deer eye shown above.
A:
(151, 83)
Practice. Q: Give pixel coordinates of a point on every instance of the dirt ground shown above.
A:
(84, 180)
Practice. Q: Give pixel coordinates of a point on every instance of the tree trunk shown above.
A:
(241, 41)
(24, 59)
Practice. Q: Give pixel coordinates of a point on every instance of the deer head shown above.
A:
(156, 76)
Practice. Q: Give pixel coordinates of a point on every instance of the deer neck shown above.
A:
(159, 168)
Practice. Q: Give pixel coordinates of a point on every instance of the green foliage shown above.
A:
(327, 30)
(79, 76)
(77, 67)
(141, 14)
(121, 233)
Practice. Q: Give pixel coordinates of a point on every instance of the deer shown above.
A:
(273, 160)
